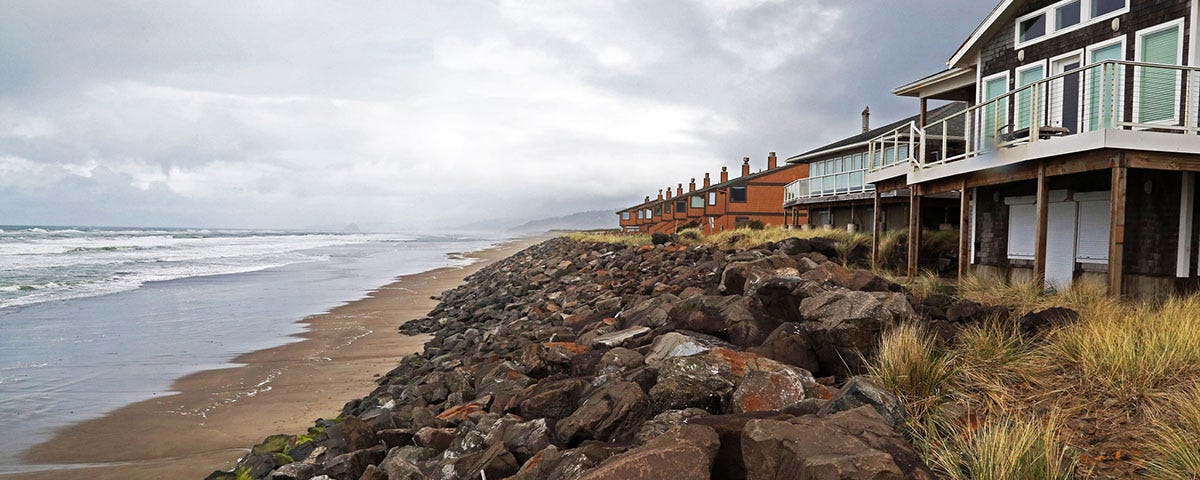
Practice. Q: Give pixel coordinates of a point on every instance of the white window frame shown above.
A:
(1051, 12)
(1085, 119)
(1138, 36)
(980, 100)
(626, 216)
(712, 198)
(1015, 86)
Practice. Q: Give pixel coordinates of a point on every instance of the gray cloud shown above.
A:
(427, 114)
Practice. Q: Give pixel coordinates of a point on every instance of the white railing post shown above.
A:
(1033, 113)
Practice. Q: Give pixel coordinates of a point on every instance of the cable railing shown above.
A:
(1111, 94)
(898, 146)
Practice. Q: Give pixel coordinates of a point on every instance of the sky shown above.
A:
(419, 116)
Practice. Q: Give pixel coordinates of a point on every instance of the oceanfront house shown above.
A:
(1082, 142)
(836, 194)
(728, 204)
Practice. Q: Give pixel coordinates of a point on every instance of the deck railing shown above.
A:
(1104, 95)
(825, 185)
(898, 146)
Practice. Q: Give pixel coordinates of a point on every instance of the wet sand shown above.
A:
(217, 414)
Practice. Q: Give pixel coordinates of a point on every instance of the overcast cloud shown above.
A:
(420, 115)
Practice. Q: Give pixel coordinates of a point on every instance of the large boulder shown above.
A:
(856, 444)
(726, 381)
(729, 464)
(844, 327)
(613, 412)
(789, 344)
(682, 453)
(737, 275)
(551, 399)
(681, 344)
(859, 391)
(650, 312)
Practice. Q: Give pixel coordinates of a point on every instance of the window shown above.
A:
(1032, 28)
(1026, 76)
(1104, 7)
(1064, 16)
(995, 115)
(737, 194)
(667, 209)
(631, 229)
(648, 216)
(697, 201)
(657, 211)
(625, 215)
(1102, 85)
(1158, 88)
(641, 215)
(816, 169)
(1067, 15)
(680, 205)
(712, 198)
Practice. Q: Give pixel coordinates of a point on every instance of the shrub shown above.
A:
(1000, 449)
(658, 238)
(1176, 442)
(909, 366)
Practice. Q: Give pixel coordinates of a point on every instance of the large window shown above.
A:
(648, 216)
(625, 215)
(1032, 28)
(680, 205)
(641, 214)
(697, 201)
(1064, 16)
(712, 198)
(737, 194)
(657, 211)
(1026, 76)
(1158, 88)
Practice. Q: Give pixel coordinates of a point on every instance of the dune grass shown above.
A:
(627, 239)
(1176, 443)
(1127, 375)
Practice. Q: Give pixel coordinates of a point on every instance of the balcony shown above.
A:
(807, 190)
(1109, 104)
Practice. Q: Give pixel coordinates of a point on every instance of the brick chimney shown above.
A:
(668, 193)
(745, 166)
(707, 180)
(724, 174)
(660, 197)
(866, 115)
(772, 162)
(680, 192)
(692, 186)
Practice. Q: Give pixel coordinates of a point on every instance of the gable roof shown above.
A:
(1004, 9)
(861, 139)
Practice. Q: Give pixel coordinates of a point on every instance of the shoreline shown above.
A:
(213, 415)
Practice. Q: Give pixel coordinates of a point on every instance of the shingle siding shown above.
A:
(998, 54)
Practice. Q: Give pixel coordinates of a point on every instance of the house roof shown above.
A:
(1004, 9)
(861, 139)
(914, 88)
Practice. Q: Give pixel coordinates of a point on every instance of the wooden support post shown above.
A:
(1116, 227)
(964, 231)
(876, 229)
(1043, 211)
(921, 119)
(914, 231)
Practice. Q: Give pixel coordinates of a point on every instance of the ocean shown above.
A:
(92, 319)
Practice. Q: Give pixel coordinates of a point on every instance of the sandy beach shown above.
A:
(217, 414)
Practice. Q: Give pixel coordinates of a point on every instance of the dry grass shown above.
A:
(1134, 351)
(1027, 297)
(630, 240)
(1002, 448)
(1176, 443)
(910, 366)
(1128, 377)
(927, 284)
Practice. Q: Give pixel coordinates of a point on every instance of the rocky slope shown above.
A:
(575, 360)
